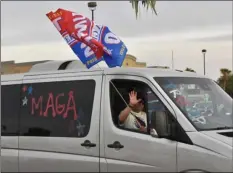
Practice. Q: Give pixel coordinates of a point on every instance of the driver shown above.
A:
(133, 117)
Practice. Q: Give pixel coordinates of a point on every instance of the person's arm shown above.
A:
(133, 101)
(124, 114)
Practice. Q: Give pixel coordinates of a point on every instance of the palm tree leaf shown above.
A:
(135, 5)
(145, 3)
(152, 6)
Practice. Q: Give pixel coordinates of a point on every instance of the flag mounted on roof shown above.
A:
(90, 42)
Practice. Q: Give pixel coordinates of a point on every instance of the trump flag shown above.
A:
(90, 42)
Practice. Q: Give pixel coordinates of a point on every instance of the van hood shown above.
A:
(225, 136)
(219, 141)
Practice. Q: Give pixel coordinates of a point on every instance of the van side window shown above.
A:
(124, 87)
(57, 109)
(10, 104)
(160, 122)
(151, 104)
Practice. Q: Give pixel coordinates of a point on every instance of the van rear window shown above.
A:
(57, 109)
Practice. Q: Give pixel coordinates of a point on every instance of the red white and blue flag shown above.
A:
(91, 43)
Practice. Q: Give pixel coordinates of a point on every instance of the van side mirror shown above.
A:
(163, 125)
(153, 133)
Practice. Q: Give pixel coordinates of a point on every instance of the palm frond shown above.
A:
(145, 4)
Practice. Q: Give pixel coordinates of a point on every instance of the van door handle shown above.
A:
(88, 144)
(116, 145)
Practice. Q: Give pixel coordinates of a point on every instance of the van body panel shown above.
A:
(141, 152)
(149, 72)
(81, 72)
(62, 74)
(66, 152)
(146, 72)
(41, 161)
(199, 158)
(103, 104)
(58, 144)
(211, 144)
(103, 165)
(9, 160)
(218, 136)
(14, 78)
(11, 142)
(125, 166)
(218, 153)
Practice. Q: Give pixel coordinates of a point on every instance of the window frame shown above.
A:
(122, 128)
(152, 86)
(153, 89)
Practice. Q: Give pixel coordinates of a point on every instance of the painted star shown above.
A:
(30, 90)
(24, 88)
(25, 101)
(80, 129)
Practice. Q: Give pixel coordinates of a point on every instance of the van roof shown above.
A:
(150, 72)
(147, 72)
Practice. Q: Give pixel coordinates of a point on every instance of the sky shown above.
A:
(184, 27)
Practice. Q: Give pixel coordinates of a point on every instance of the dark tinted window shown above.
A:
(58, 109)
(10, 104)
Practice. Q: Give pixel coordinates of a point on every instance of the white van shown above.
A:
(60, 118)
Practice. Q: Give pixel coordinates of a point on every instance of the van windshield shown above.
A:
(203, 102)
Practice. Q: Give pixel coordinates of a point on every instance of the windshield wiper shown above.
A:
(223, 128)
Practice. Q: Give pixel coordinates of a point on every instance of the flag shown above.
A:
(81, 50)
(92, 43)
(116, 47)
